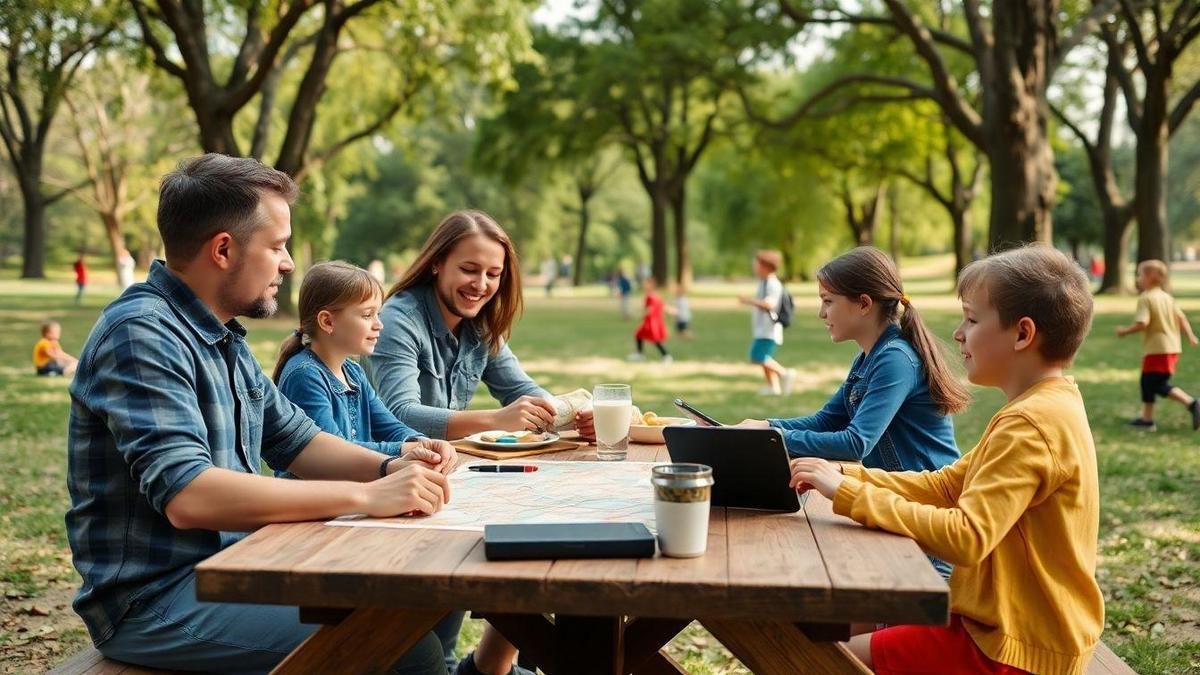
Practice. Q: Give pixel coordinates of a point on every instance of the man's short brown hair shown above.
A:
(214, 193)
(1039, 282)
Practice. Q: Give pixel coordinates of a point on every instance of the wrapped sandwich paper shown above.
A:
(566, 405)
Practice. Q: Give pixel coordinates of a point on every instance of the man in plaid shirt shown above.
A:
(170, 416)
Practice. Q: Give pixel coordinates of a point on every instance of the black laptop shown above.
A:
(750, 466)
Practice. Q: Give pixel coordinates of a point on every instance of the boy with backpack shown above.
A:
(767, 324)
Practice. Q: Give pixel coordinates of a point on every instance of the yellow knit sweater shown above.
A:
(1018, 517)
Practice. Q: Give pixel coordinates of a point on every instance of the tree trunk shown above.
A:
(585, 216)
(893, 226)
(116, 242)
(33, 248)
(1116, 249)
(1023, 178)
(683, 262)
(658, 234)
(1151, 179)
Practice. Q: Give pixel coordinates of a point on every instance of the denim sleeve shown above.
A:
(385, 428)
(831, 417)
(888, 384)
(307, 389)
(287, 430)
(395, 373)
(507, 381)
(141, 386)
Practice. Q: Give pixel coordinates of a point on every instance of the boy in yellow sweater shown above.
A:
(1018, 515)
(1160, 323)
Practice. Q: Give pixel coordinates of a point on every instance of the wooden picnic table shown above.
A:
(778, 590)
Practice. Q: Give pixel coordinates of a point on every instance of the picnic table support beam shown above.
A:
(597, 643)
(772, 647)
(367, 641)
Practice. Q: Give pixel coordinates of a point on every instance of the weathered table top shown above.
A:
(811, 566)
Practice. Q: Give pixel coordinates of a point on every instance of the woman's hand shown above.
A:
(526, 413)
(810, 473)
(439, 455)
(585, 424)
(753, 424)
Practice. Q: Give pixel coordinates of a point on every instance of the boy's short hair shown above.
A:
(1039, 282)
(771, 259)
(1157, 266)
(47, 325)
(214, 193)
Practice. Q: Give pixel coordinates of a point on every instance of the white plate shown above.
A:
(550, 437)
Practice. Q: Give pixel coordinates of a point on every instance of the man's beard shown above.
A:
(261, 307)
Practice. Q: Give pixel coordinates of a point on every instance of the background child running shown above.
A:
(765, 327)
(1018, 516)
(653, 327)
(683, 312)
(339, 319)
(1160, 322)
(48, 355)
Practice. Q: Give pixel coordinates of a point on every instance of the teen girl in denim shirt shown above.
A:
(893, 411)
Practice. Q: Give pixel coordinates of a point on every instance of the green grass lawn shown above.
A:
(1150, 484)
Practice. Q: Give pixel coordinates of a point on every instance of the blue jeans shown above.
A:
(178, 632)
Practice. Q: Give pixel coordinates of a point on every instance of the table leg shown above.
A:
(770, 647)
(644, 637)
(367, 641)
(590, 645)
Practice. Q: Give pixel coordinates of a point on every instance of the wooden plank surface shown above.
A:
(876, 576)
(757, 564)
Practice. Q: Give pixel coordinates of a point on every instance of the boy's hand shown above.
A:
(810, 473)
(1193, 340)
(435, 453)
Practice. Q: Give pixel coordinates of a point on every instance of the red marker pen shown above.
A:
(503, 468)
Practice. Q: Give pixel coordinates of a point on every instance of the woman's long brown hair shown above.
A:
(868, 271)
(328, 285)
(498, 315)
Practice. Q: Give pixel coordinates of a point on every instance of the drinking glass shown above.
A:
(612, 406)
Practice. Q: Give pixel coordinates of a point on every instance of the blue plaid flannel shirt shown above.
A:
(163, 391)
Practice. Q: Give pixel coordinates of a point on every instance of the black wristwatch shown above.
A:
(384, 464)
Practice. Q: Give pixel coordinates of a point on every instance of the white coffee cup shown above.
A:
(682, 497)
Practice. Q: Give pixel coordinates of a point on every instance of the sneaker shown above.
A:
(1143, 425)
(636, 356)
(1194, 408)
(667, 358)
(767, 391)
(789, 379)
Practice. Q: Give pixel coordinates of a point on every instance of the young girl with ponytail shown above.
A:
(339, 319)
(893, 411)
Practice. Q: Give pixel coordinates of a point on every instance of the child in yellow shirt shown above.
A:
(1017, 516)
(1160, 323)
(48, 355)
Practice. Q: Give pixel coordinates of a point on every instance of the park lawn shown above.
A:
(1150, 483)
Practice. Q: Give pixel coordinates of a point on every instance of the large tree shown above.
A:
(1014, 47)
(1116, 209)
(661, 72)
(1156, 33)
(285, 55)
(43, 43)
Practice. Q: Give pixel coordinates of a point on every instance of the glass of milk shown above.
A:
(612, 406)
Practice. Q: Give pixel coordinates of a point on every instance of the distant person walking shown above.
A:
(653, 327)
(1160, 322)
(81, 278)
(624, 289)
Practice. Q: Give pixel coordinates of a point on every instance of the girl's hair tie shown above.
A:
(299, 332)
(905, 301)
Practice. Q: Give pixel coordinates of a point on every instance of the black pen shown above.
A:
(503, 468)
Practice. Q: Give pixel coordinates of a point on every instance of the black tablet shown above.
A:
(750, 466)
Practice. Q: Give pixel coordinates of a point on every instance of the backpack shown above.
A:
(787, 309)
